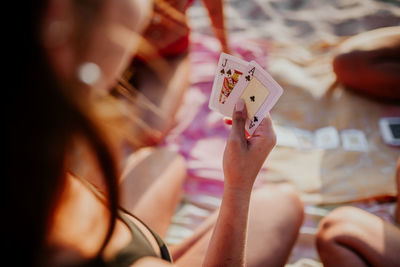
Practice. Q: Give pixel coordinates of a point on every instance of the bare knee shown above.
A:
(275, 217)
(340, 224)
(286, 197)
(398, 176)
(290, 198)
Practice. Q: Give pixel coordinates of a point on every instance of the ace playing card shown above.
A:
(260, 93)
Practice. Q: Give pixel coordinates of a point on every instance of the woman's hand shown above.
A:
(242, 161)
(243, 157)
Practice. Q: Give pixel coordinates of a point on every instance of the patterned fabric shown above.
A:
(299, 57)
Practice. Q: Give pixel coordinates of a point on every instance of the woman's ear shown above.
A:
(57, 30)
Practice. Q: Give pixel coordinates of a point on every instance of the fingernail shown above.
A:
(239, 105)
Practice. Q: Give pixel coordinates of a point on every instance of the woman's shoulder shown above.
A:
(151, 262)
(79, 221)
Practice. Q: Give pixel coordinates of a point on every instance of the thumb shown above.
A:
(238, 121)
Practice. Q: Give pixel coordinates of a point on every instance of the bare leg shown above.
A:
(216, 13)
(151, 186)
(369, 63)
(398, 190)
(155, 91)
(352, 237)
(272, 231)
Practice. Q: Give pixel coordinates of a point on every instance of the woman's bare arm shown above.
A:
(243, 159)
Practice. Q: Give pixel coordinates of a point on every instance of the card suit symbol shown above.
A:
(248, 78)
(252, 124)
(222, 71)
(255, 119)
(229, 72)
(252, 98)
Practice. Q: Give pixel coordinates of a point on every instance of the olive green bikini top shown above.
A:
(139, 246)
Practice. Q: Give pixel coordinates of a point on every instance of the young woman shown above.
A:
(67, 206)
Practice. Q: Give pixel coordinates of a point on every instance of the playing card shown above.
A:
(259, 91)
(305, 138)
(354, 140)
(254, 96)
(228, 73)
(285, 136)
(327, 138)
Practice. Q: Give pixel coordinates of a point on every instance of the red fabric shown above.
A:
(177, 47)
(180, 45)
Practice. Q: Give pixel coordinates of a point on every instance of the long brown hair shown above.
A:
(40, 124)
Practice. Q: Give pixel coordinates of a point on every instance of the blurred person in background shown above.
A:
(159, 73)
(349, 236)
(369, 64)
(66, 197)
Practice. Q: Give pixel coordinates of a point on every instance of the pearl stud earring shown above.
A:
(89, 73)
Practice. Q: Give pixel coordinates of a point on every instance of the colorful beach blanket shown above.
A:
(297, 51)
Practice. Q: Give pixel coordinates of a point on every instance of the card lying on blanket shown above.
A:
(236, 78)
